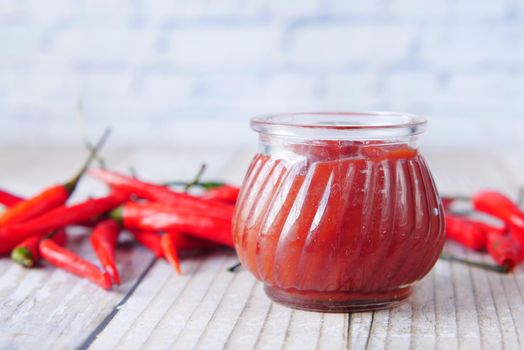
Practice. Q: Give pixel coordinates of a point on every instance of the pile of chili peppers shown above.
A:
(503, 242)
(160, 218)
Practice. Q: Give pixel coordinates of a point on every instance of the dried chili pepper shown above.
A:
(500, 206)
(56, 219)
(51, 197)
(103, 240)
(27, 253)
(69, 261)
(164, 218)
(169, 247)
(150, 240)
(8, 199)
(225, 193)
(504, 250)
(162, 194)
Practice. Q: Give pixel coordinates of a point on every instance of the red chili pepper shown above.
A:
(69, 261)
(161, 217)
(225, 193)
(504, 250)
(187, 242)
(27, 253)
(150, 240)
(50, 198)
(8, 199)
(161, 194)
(500, 206)
(56, 219)
(465, 231)
(169, 247)
(103, 240)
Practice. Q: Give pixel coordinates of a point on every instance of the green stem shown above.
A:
(207, 185)
(71, 184)
(133, 172)
(101, 162)
(520, 197)
(485, 266)
(117, 214)
(23, 256)
(197, 177)
(458, 198)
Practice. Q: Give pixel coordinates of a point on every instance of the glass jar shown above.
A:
(338, 212)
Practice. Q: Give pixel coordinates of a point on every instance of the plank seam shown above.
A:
(216, 309)
(197, 268)
(241, 315)
(287, 329)
(497, 312)
(317, 346)
(224, 263)
(348, 319)
(368, 338)
(510, 310)
(263, 324)
(475, 298)
(105, 322)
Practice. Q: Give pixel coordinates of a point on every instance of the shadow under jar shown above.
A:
(338, 212)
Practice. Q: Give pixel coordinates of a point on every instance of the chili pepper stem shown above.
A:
(520, 197)
(117, 214)
(197, 178)
(72, 183)
(23, 256)
(235, 267)
(458, 198)
(485, 266)
(205, 185)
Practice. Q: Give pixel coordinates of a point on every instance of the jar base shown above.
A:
(338, 302)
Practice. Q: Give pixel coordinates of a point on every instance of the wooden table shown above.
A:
(455, 306)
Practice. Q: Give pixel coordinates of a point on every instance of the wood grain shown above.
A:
(454, 307)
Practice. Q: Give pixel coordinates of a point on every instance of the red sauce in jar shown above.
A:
(339, 225)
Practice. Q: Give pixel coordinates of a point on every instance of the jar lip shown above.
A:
(340, 125)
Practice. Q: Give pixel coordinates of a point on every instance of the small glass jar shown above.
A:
(338, 212)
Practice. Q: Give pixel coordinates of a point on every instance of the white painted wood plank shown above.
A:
(251, 321)
(445, 307)
(359, 329)
(423, 332)
(513, 287)
(202, 314)
(50, 307)
(379, 330)
(466, 310)
(275, 328)
(150, 305)
(488, 321)
(226, 315)
(399, 327)
(503, 317)
(334, 332)
(179, 311)
(304, 330)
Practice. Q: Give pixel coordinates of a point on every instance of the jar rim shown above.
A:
(340, 125)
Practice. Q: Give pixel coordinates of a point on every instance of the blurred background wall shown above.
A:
(194, 71)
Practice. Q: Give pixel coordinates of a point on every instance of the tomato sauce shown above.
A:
(339, 225)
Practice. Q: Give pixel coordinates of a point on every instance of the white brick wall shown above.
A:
(188, 70)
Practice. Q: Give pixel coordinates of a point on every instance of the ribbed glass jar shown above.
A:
(338, 211)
